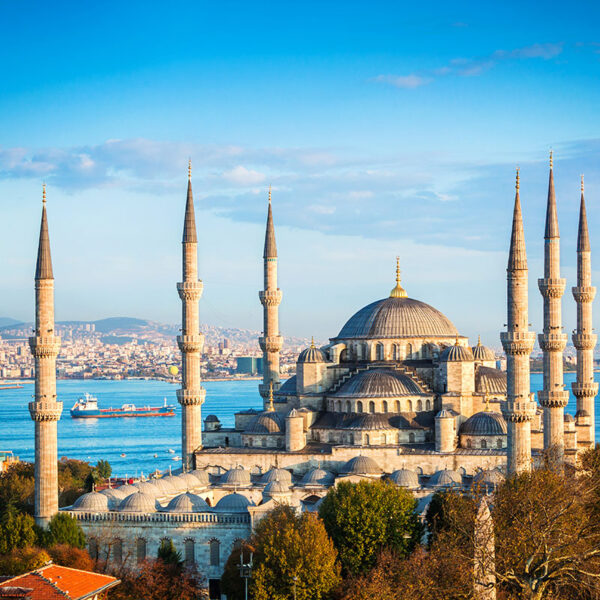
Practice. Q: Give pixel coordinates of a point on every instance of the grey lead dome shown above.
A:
(397, 318)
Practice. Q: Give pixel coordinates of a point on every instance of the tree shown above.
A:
(22, 560)
(289, 546)
(103, 469)
(232, 583)
(17, 529)
(443, 505)
(17, 486)
(69, 556)
(363, 518)
(64, 529)
(168, 554)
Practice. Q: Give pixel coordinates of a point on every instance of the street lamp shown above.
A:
(245, 570)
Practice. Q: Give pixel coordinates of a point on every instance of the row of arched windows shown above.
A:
(395, 406)
(483, 444)
(365, 351)
(368, 439)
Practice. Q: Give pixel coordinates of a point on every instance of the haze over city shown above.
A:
(384, 130)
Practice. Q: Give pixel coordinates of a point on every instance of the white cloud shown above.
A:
(409, 82)
(244, 177)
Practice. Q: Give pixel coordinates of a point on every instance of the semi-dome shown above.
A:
(361, 465)
(484, 423)
(268, 421)
(233, 503)
(174, 482)
(127, 489)
(405, 478)
(312, 354)
(445, 478)
(288, 387)
(188, 481)
(235, 477)
(201, 476)
(187, 503)
(138, 503)
(317, 477)
(149, 488)
(212, 419)
(456, 353)
(483, 353)
(276, 487)
(379, 383)
(489, 478)
(490, 381)
(277, 474)
(370, 422)
(397, 318)
(91, 502)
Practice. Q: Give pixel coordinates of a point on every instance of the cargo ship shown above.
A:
(87, 408)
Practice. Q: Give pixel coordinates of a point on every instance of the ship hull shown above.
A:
(112, 414)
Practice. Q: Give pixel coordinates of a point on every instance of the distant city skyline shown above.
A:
(384, 130)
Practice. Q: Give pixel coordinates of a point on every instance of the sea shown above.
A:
(136, 446)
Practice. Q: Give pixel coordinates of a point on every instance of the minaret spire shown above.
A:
(191, 341)
(517, 341)
(270, 342)
(398, 291)
(584, 388)
(45, 410)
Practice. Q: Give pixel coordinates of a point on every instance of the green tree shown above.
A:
(364, 518)
(232, 583)
(64, 529)
(22, 560)
(293, 551)
(17, 486)
(17, 529)
(103, 469)
(443, 505)
(168, 554)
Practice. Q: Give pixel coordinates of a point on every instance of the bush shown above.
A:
(64, 529)
(68, 556)
(17, 529)
(22, 560)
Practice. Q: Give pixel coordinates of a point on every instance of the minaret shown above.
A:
(270, 298)
(45, 410)
(191, 341)
(553, 398)
(517, 341)
(584, 388)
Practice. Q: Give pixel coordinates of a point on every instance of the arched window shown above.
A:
(215, 553)
(385, 406)
(93, 548)
(140, 550)
(469, 443)
(190, 551)
(371, 406)
(344, 355)
(484, 444)
(397, 438)
(337, 406)
(348, 407)
(398, 406)
(367, 439)
(499, 443)
(263, 442)
(359, 407)
(409, 350)
(380, 353)
(395, 352)
(411, 437)
(118, 551)
(428, 405)
(419, 405)
(410, 406)
(331, 438)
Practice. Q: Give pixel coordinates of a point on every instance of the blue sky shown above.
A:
(384, 128)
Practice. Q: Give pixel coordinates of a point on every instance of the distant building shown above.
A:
(249, 365)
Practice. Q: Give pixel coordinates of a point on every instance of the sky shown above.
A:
(384, 128)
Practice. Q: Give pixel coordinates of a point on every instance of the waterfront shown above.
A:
(138, 438)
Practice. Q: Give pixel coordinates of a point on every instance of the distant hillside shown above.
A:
(7, 322)
(126, 323)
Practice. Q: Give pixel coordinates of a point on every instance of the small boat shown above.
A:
(176, 458)
(123, 455)
(156, 456)
(87, 408)
(171, 451)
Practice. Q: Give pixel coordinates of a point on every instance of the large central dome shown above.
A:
(397, 318)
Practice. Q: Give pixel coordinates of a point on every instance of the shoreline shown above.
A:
(19, 383)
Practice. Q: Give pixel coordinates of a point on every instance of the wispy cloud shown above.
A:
(471, 67)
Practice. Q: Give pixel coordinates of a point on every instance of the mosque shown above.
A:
(397, 394)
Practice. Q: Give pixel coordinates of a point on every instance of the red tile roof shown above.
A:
(54, 582)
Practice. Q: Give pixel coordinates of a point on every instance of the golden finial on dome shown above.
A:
(190, 168)
(479, 340)
(456, 341)
(271, 407)
(312, 342)
(43, 193)
(398, 291)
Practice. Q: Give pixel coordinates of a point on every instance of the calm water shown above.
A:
(139, 439)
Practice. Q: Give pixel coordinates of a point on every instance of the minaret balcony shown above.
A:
(270, 297)
(584, 341)
(517, 342)
(553, 399)
(44, 346)
(518, 411)
(552, 288)
(191, 397)
(45, 410)
(272, 343)
(191, 343)
(584, 390)
(552, 342)
(584, 294)
(264, 389)
(190, 290)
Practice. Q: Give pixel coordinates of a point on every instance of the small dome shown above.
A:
(582, 413)
(405, 478)
(361, 465)
(91, 502)
(127, 489)
(235, 477)
(188, 481)
(282, 475)
(445, 478)
(444, 414)
(201, 476)
(489, 478)
(212, 419)
(569, 418)
(318, 477)
(268, 421)
(176, 484)
(456, 353)
(379, 383)
(187, 503)
(138, 503)
(233, 503)
(114, 495)
(312, 355)
(276, 487)
(490, 381)
(483, 353)
(484, 423)
(370, 422)
(149, 488)
(166, 487)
